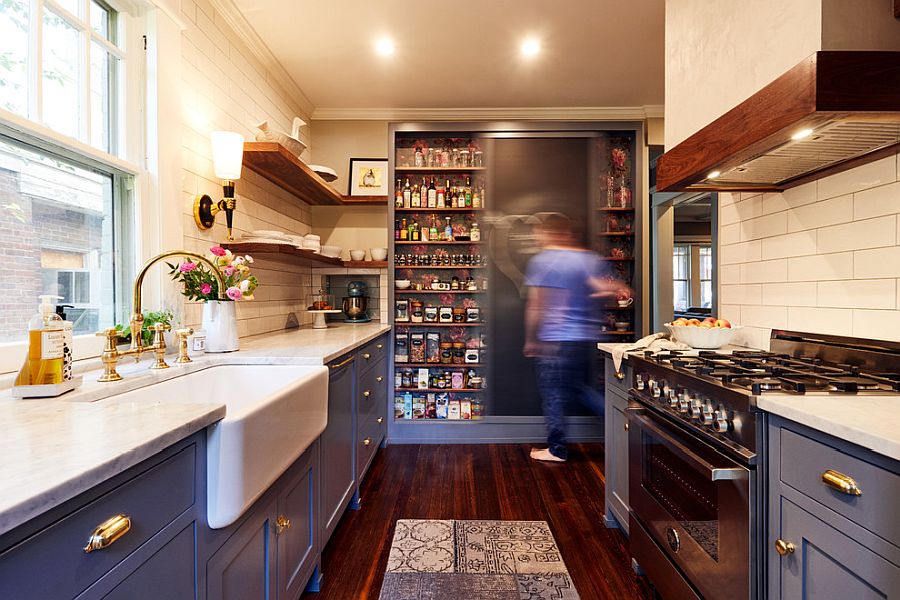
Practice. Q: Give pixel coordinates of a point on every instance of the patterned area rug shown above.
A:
(475, 560)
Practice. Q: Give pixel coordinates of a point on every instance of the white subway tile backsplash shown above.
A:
(729, 274)
(730, 234)
(741, 253)
(732, 312)
(800, 195)
(789, 294)
(801, 243)
(765, 226)
(880, 262)
(821, 267)
(742, 211)
(764, 272)
(871, 233)
(873, 174)
(875, 202)
(877, 324)
(836, 321)
(821, 214)
(775, 317)
(860, 293)
(741, 294)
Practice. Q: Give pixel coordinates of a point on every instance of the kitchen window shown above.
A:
(681, 276)
(692, 276)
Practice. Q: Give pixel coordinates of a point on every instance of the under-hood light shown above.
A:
(713, 174)
(802, 134)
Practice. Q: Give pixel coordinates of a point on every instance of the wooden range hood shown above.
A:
(850, 100)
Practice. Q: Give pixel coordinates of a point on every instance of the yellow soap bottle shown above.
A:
(46, 342)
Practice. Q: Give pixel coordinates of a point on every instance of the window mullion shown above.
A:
(85, 79)
(36, 59)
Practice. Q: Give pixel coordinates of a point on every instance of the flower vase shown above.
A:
(610, 191)
(623, 194)
(220, 325)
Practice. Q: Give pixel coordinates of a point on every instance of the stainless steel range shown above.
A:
(696, 452)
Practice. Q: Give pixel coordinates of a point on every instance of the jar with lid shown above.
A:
(478, 158)
(417, 312)
(401, 312)
(431, 314)
(445, 314)
(430, 158)
(446, 353)
(459, 353)
(464, 158)
(454, 283)
(459, 315)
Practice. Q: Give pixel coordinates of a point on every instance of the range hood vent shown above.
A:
(833, 111)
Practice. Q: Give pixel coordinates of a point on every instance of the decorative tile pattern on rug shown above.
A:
(449, 586)
(475, 560)
(506, 547)
(422, 546)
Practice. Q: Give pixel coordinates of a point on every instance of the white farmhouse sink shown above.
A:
(273, 414)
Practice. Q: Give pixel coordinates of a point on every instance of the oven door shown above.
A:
(694, 501)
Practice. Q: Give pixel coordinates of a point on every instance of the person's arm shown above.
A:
(606, 287)
(534, 304)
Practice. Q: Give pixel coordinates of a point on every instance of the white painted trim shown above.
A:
(549, 113)
(245, 31)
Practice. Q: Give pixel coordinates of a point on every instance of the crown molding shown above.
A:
(247, 34)
(550, 113)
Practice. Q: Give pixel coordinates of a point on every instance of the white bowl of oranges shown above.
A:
(710, 333)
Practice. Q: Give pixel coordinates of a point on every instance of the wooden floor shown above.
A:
(481, 482)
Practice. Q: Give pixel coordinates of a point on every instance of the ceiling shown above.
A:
(465, 53)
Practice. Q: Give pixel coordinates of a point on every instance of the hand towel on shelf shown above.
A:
(654, 341)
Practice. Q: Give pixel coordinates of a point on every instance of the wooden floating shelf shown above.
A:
(366, 264)
(408, 291)
(398, 267)
(437, 210)
(437, 365)
(610, 258)
(615, 209)
(616, 233)
(276, 163)
(439, 169)
(365, 200)
(406, 243)
(439, 390)
(408, 324)
(283, 253)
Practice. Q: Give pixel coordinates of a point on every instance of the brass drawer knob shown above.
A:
(379, 420)
(282, 523)
(379, 346)
(620, 375)
(840, 482)
(784, 548)
(367, 393)
(108, 532)
(367, 356)
(367, 442)
(625, 426)
(379, 379)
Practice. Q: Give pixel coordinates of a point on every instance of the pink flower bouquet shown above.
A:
(199, 283)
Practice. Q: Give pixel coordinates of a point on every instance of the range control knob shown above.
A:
(674, 399)
(707, 414)
(655, 390)
(721, 423)
(639, 382)
(684, 404)
(696, 408)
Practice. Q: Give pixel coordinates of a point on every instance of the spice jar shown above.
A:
(433, 347)
(417, 348)
(473, 314)
(416, 311)
(431, 314)
(401, 313)
(472, 355)
(445, 314)
(459, 315)
(446, 353)
(459, 353)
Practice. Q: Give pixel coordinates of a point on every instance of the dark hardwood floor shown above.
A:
(481, 482)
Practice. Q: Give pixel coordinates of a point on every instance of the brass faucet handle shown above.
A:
(112, 337)
(159, 346)
(181, 340)
(110, 355)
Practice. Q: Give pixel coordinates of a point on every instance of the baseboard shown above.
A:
(491, 430)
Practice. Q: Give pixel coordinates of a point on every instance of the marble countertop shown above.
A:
(55, 449)
(872, 422)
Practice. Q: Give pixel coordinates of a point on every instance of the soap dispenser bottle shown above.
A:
(46, 343)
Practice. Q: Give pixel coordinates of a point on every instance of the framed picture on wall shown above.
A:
(368, 177)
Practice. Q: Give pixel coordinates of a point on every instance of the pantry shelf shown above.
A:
(410, 324)
(401, 292)
(453, 243)
(398, 267)
(438, 169)
(438, 210)
(451, 390)
(366, 264)
(439, 365)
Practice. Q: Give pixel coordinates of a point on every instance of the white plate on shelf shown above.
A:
(326, 173)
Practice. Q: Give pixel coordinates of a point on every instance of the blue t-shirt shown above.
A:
(572, 314)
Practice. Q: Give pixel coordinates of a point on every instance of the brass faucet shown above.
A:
(111, 354)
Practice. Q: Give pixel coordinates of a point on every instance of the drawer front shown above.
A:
(151, 500)
(372, 390)
(370, 436)
(372, 353)
(619, 381)
(803, 463)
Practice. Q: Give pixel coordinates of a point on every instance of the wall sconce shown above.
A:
(228, 155)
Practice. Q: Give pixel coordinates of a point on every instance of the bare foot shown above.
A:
(545, 455)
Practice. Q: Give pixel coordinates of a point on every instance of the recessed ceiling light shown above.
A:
(385, 47)
(530, 47)
(713, 174)
(803, 133)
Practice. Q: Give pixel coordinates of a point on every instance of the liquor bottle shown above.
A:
(416, 197)
(477, 197)
(424, 234)
(415, 233)
(442, 195)
(433, 233)
(396, 229)
(404, 232)
(398, 195)
(475, 233)
(448, 231)
(468, 192)
(407, 195)
(454, 198)
(432, 195)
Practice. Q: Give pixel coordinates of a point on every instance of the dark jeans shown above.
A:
(564, 374)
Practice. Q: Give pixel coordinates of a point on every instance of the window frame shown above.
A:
(695, 272)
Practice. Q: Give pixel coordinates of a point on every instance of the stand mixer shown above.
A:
(356, 303)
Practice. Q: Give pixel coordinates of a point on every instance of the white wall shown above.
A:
(823, 257)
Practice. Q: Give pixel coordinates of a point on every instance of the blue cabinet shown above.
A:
(616, 445)
(824, 542)
(338, 444)
(296, 526)
(243, 567)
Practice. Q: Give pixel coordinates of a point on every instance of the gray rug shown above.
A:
(475, 560)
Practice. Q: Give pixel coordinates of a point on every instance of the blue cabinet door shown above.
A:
(243, 567)
(296, 527)
(827, 564)
(338, 446)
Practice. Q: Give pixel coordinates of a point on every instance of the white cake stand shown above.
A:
(319, 317)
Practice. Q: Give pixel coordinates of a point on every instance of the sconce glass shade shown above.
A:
(228, 153)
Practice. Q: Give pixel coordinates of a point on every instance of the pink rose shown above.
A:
(234, 293)
(205, 288)
(187, 266)
(229, 271)
(218, 250)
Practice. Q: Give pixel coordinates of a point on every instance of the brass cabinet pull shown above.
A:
(367, 441)
(367, 356)
(620, 375)
(379, 420)
(339, 365)
(840, 482)
(626, 426)
(282, 523)
(784, 548)
(379, 346)
(379, 379)
(108, 532)
(367, 393)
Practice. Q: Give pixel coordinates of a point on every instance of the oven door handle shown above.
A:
(714, 473)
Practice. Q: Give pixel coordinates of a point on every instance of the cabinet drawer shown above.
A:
(151, 500)
(372, 390)
(370, 436)
(369, 355)
(804, 461)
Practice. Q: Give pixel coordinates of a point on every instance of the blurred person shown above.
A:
(562, 325)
